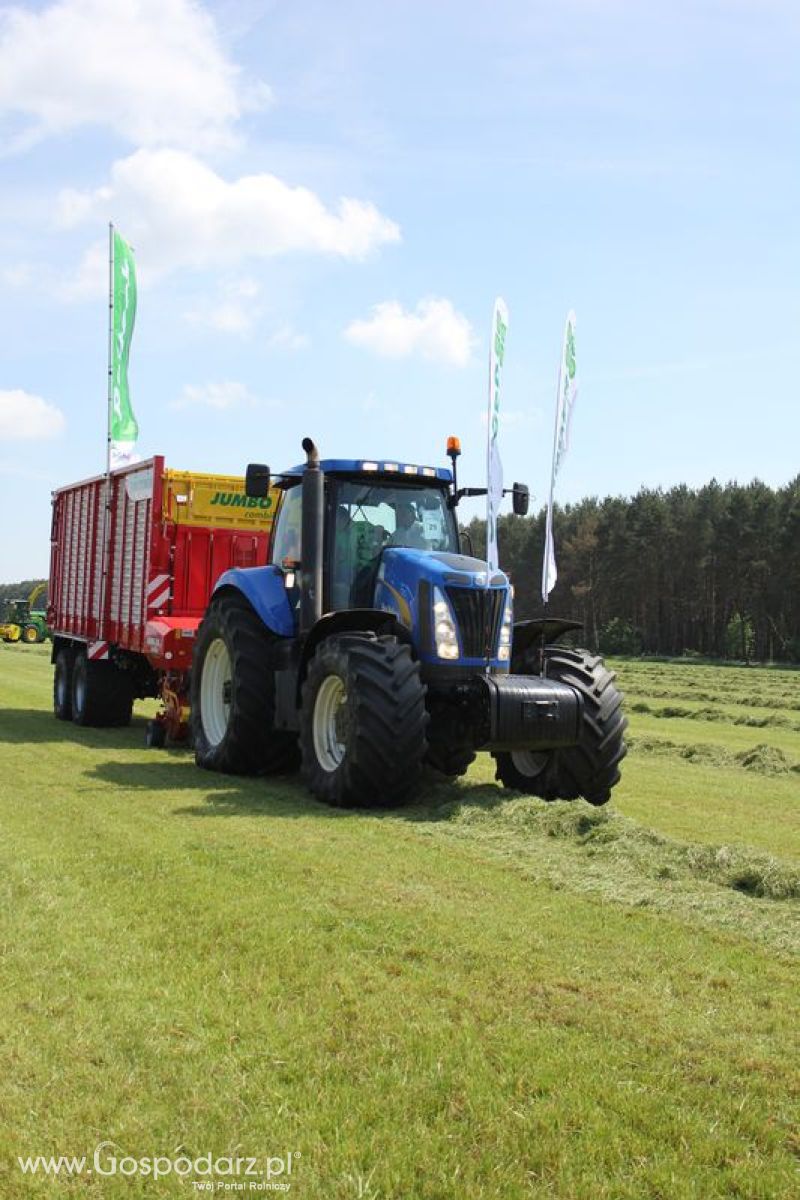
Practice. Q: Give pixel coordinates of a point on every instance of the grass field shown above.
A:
(482, 996)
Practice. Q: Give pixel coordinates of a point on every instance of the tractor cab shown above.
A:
(366, 514)
(17, 610)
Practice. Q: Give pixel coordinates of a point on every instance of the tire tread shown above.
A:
(386, 698)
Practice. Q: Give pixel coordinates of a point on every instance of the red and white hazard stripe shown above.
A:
(96, 651)
(158, 591)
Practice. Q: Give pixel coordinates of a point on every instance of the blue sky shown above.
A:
(325, 200)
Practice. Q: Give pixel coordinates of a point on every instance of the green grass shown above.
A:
(482, 996)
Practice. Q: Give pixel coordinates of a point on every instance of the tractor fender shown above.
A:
(354, 620)
(549, 629)
(265, 591)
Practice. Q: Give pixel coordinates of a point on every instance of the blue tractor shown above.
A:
(371, 646)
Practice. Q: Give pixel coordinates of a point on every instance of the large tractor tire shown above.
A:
(233, 694)
(62, 685)
(101, 695)
(30, 635)
(591, 767)
(363, 722)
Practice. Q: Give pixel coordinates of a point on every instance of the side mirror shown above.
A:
(521, 499)
(256, 482)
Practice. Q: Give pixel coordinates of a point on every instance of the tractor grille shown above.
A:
(478, 614)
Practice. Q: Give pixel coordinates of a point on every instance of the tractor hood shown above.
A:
(409, 582)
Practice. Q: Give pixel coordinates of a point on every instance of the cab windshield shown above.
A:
(369, 518)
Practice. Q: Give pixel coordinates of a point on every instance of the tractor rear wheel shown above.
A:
(363, 722)
(233, 694)
(591, 767)
(101, 695)
(62, 685)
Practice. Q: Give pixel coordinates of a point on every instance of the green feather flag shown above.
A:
(123, 431)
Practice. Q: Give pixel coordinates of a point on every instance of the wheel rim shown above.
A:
(30, 634)
(528, 763)
(329, 723)
(215, 692)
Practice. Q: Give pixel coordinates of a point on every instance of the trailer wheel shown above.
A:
(362, 734)
(590, 768)
(233, 694)
(101, 694)
(62, 685)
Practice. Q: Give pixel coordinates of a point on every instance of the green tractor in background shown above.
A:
(24, 623)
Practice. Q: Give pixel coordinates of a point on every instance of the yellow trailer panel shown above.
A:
(215, 500)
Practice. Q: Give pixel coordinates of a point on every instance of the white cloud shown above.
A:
(20, 275)
(236, 309)
(153, 71)
(178, 212)
(25, 416)
(91, 278)
(221, 396)
(287, 338)
(435, 330)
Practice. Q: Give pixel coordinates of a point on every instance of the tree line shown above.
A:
(713, 572)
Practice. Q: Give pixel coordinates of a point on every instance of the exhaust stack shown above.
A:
(311, 539)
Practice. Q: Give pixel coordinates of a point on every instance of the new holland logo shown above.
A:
(239, 500)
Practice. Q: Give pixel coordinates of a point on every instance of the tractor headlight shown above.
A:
(506, 630)
(444, 627)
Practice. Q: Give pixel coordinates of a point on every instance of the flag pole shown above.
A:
(494, 467)
(548, 536)
(110, 343)
(565, 399)
(109, 407)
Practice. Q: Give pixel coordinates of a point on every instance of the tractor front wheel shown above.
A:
(233, 694)
(363, 722)
(591, 767)
(30, 635)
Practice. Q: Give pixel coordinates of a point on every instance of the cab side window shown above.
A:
(286, 538)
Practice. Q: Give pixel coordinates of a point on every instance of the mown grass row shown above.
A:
(657, 691)
(747, 686)
(761, 759)
(709, 713)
